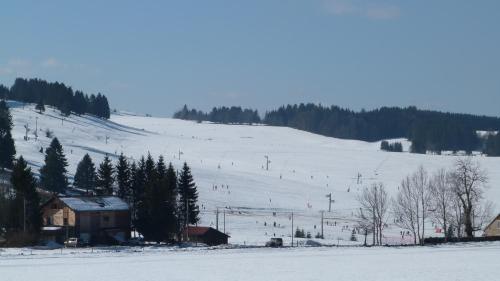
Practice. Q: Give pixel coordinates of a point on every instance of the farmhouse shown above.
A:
(206, 235)
(493, 229)
(99, 219)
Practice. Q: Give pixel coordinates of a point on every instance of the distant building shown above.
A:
(205, 235)
(99, 219)
(493, 229)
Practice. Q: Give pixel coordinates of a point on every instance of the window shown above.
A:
(65, 221)
(498, 224)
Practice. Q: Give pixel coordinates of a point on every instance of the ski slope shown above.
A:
(229, 167)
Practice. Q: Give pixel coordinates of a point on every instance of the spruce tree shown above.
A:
(26, 203)
(7, 148)
(105, 177)
(123, 178)
(148, 202)
(53, 173)
(188, 197)
(137, 187)
(164, 202)
(169, 183)
(85, 176)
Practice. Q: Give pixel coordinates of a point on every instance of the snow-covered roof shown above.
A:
(97, 203)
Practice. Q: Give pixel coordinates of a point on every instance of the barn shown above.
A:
(95, 220)
(205, 235)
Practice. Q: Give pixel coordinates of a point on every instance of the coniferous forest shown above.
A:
(224, 115)
(428, 130)
(57, 95)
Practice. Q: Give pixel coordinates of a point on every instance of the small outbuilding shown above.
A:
(493, 229)
(96, 219)
(205, 235)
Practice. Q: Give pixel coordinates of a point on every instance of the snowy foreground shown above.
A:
(228, 163)
(457, 262)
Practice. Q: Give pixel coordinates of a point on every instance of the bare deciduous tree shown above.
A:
(457, 218)
(482, 215)
(365, 223)
(441, 203)
(374, 203)
(405, 208)
(468, 180)
(420, 182)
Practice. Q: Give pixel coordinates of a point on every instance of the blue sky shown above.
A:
(155, 56)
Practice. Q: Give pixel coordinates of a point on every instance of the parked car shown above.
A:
(72, 242)
(275, 242)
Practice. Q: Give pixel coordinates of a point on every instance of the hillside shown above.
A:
(304, 167)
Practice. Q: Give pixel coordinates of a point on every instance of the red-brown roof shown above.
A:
(199, 230)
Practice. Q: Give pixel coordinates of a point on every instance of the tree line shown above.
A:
(429, 131)
(57, 95)
(224, 115)
(450, 199)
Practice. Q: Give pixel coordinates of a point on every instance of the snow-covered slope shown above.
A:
(229, 166)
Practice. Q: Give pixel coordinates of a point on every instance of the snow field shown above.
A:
(229, 168)
(461, 262)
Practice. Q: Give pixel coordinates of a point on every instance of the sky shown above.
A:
(155, 56)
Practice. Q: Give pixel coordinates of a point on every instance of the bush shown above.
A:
(49, 134)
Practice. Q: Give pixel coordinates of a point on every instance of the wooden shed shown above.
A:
(493, 229)
(205, 235)
(98, 219)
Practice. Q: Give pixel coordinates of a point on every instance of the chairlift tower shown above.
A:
(330, 201)
(267, 162)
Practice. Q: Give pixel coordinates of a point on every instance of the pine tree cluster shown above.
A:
(162, 202)
(57, 95)
(223, 115)
(20, 217)
(392, 147)
(7, 148)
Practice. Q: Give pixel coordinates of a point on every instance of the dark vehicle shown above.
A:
(275, 243)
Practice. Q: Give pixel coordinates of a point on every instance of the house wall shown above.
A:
(210, 238)
(493, 229)
(92, 224)
(55, 212)
(89, 225)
